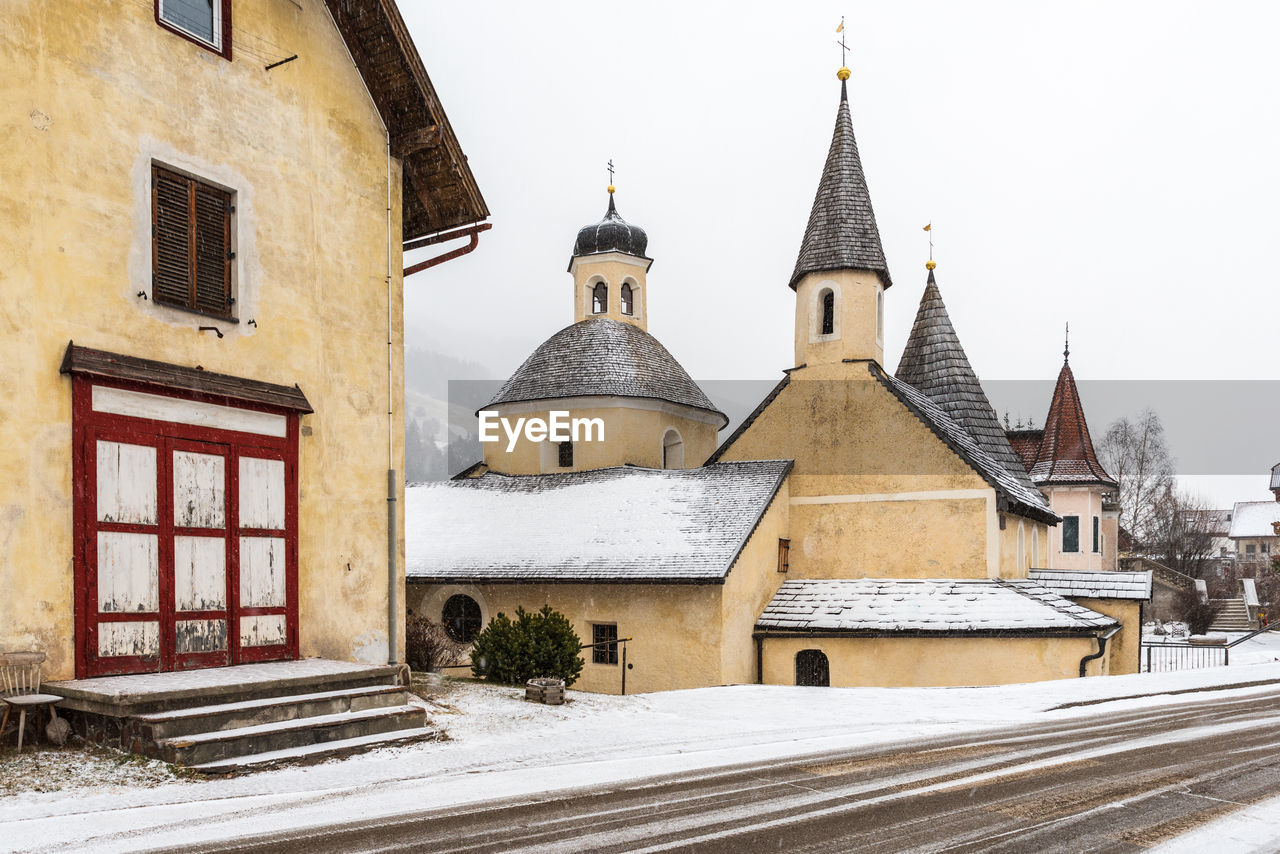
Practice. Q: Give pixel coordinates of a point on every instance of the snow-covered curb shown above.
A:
(504, 747)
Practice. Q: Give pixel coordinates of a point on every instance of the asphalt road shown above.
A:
(1108, 782)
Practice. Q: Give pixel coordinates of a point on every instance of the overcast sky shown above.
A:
(1107, 164)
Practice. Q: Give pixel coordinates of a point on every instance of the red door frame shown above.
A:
(85, 425)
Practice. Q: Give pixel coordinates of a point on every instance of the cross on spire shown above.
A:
(843, 47)
(610, 167)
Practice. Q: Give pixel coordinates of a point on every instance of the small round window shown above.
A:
(461, 618)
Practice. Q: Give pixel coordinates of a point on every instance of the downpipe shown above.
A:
(1102, 648)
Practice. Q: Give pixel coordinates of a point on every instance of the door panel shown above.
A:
(262, 630)
(199, 573)
(261, 493)
(126, 476)
(199, 490)
(262, 572)
(128, 572)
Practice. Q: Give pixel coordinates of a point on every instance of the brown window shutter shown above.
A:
(213, 250)
(171, 229)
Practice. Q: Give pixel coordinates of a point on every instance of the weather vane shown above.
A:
(610, 167)
(931, 263)
(1066, 343)
(843, 47)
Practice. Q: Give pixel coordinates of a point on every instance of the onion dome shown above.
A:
(611, 234)
(603, 357)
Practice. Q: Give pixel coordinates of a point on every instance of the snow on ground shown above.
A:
(1254, 829)
(501, 746)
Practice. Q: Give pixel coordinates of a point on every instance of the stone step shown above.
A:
(207, 747)
(151, 728)
(315, 752)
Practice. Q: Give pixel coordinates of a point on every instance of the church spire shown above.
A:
(1066, 452)
(842, 232)
(934, 362)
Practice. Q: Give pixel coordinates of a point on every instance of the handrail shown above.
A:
(1252, 634)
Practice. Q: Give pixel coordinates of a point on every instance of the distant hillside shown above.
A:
(442, 394)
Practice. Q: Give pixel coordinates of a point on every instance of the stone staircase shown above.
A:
(248, 721)
(1233, 616)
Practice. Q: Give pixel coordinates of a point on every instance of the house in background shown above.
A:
(204, 208)
(858, 528)
(1254, 531)
(1062, 462)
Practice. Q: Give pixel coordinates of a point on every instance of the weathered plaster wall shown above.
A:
(1124, 648)
(94, 93)
(675, 629)
(874, 492)
(749, 587)
(633, 433)
(925, 662)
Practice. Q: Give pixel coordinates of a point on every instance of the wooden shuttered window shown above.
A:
(191, 237)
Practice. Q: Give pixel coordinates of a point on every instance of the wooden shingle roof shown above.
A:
(842, 233)
(438, 188)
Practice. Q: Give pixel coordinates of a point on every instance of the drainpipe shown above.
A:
(471, 231)
(393, 574)
(759, 659)
(1102, 647)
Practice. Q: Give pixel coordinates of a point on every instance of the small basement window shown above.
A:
(461, 618)
(191, 244)
(1071, 533)
(604, 639)
(205, 22)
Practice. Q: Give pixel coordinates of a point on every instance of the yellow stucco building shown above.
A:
(858, 528)
(204, 210)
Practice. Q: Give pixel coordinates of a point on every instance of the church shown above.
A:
(858, 528)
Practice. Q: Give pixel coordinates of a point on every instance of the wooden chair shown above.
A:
(20, 688)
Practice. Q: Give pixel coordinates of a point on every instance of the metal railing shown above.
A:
(1168, 657)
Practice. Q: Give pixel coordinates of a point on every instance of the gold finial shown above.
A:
(930, 265)
(611, 187)
(844, 72)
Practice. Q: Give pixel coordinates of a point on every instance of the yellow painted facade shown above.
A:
(96, 93)
(933, 662)
(633, 428)
(682, 635)
(613, 269)
(857, 328)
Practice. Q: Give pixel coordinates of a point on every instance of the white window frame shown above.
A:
(216, 43)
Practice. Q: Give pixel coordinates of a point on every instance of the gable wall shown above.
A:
(874, 492)
(95, 92)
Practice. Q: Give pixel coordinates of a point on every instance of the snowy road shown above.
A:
(1123, 781)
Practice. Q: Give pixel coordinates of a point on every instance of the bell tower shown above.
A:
(841, 275)
(609, 267)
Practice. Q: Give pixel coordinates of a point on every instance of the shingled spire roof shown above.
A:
(935, 364)
(842, 232)
(1066, 452)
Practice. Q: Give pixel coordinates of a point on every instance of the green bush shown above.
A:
(530, 647)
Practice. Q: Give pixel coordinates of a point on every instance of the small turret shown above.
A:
(609, 267)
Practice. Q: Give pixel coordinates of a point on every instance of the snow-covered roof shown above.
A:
(622, 524)
(1100, 584)
(944, 605)
(1254, 519)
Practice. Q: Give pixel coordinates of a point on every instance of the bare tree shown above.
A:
(1181, 531)
(1136, 455)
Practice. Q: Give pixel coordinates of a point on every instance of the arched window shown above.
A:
(1035, 546)
(461, 618)
(600, 298)
(672, 450)
(879, 315)
(812, 668)
(828, 312)
(1022, 546)
(627, 304)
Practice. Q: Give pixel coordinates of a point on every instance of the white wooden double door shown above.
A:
(187, 553)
